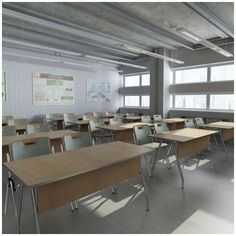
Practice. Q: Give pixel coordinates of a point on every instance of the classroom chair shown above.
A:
(98, 115)
(141, 137)
(20, 150)
(17, 122)
(115, 121)
(199, 122)
(68, 118)
(146, 119)
(157, 118)
(189, 123)
(96, 133)
(31, 128)
(88, 117)
(128, 114)
(49, 118)
(109, 114)
(8, 131)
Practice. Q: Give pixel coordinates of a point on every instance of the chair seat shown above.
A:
(155, 145)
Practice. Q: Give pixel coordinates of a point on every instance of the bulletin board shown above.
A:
(49, 89)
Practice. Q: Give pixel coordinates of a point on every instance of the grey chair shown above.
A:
(115, 121)
(20, 150)
(99, 115)
(81, 139)
(31, 128)
(157, 118)
(146, 119)
(69, 118)
(141, 137)
(189, 123)
(88, 117)
(8, 131)
(15, 122)
(128, 114)
(97, 133)
(109, 114)
(199, 122)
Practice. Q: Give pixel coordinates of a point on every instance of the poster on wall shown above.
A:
(98, 91)
(51, 89)
(4, 87)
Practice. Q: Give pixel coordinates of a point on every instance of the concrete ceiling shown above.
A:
(101, 28)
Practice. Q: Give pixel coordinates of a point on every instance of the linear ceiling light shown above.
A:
(93, 58)
(204, 42)
(156, 55)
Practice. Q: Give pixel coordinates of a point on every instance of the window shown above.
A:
(190, 101)
(132, 101)
(191, 75)
(222, 101)
(145, 101)
(145, 80)
(132, 80)
(225, 72)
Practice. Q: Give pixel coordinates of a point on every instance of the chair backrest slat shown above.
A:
(189, 123)
(115, 121)
(141, 133)
(146, 119)
(161, 127)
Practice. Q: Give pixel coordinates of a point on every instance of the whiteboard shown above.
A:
(51, 89)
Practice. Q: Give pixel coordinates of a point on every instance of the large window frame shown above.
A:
(209, 81)
(140, 86)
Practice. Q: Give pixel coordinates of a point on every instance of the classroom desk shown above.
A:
(88, 170)
(174, 123)
(188, 141)
(21, 129)
(226, 131)
(132, 118)
(54, 136)
(123, 132)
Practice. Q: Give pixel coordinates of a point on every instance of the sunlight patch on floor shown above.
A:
(103, 206)
(204, 222)
(194, 166)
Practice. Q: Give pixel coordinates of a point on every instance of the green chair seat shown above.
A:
(154, 145)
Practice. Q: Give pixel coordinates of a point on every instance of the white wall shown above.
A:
(20, 88)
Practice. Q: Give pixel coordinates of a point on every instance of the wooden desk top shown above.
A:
(6, 140)
(79, 122)
(123, 126)
(41, 170)
(173, 120)
(183, 135)
(220, 125)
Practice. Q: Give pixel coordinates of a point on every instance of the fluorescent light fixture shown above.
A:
(156, 55)
(189, 34)
(204, 42)
(55, 50)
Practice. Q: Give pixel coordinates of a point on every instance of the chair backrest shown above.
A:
(161, 127)
(16, 122)
(93, 124)
(98, 115)
(199, 121)
(21, 150)
(69, 117)
(146, 119)
(109, 113)
(141, 133)
(8, 131)
(82, 139)
(31, 129)
(115, 121)
(157, 117)
(189, 123)
(130, 114)
(88, 117)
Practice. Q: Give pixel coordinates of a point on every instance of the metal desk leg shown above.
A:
(114, 189)
(223, 143)
(155, 159)
(180, 169)
(36, 217)
(145, 189)
(147, 164)
(13, 199)
(6, 197)
(19, 207)
(213, 157)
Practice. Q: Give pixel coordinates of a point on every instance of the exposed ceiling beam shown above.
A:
(70, 28)
(209, 15)
(147, 26)
(216, 41)
(65, 52)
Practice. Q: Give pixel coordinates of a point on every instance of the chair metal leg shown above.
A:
(213, 157)
(114, 189)
(72, 206)
(36, 217)
(223, 143)
(13, 199)
(155, 159)
(76, 205)
(145, 189)
(147, 165)
(6, 198)
(19, 207)
(217, 145)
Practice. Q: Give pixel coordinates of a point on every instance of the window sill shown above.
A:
(201, 110)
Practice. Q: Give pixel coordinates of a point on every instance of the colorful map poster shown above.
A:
(51, 89)
(4, 87)
(98, 91)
